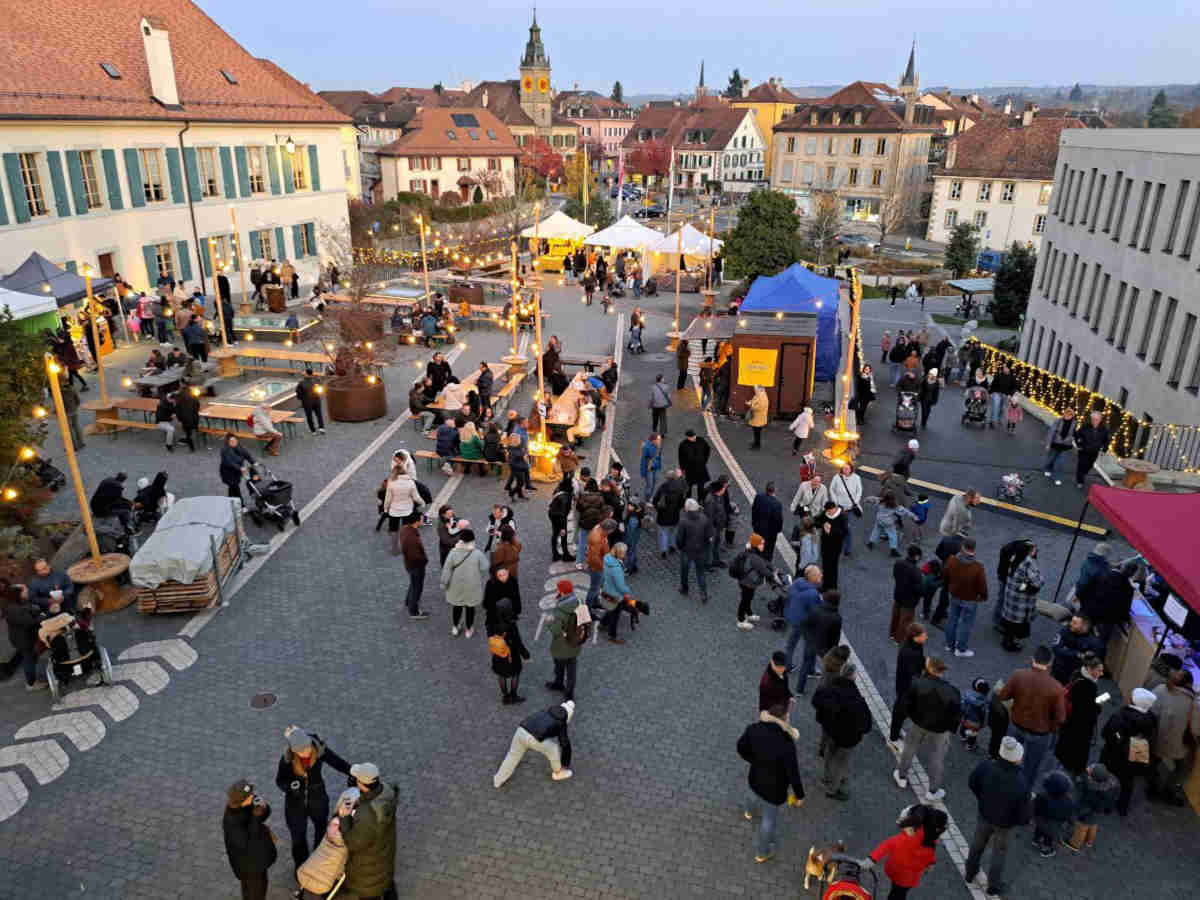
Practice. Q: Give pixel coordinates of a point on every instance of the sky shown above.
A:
(375, 44)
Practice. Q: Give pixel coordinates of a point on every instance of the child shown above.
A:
(887, 521)
(912, 527)
(1053, 808)
(974, 713)
(800, 428)
(808, 467)
(807, 544)
(1097, 796)
(907, 855)
(1013, 414)
(323, 870)
(635, 339)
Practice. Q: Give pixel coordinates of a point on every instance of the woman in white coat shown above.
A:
(846, 491)
(401, 502)
(800, 427)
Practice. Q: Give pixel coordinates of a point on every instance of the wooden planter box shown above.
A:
(173, 596)
(349, 400)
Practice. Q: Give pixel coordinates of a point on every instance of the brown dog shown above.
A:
(819, 864)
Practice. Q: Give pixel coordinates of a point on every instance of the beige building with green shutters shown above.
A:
(131, 161)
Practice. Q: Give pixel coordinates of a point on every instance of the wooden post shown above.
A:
(424, 260)
(239, 256)
(542, 399)
(91, 307)
(516, 293)
(53, 369)
(212, 267)
(712, 224)
(678, 276)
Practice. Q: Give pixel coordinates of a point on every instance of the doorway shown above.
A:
(107, 266)
(794, 368)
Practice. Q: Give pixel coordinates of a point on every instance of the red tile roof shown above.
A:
(430, 136)
(51, 50)
(1002, 148)
(503, 99)
(880, 105)
(770, 93)
(347, 101)
(672, 124)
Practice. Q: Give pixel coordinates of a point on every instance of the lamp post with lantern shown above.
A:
(843, 441)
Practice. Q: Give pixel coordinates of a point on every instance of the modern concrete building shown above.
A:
(1116, 294)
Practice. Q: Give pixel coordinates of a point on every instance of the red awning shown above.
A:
(1160, 527)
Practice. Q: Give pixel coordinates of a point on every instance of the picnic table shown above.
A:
(161, 379)
(223, 416)
(564, 412)
(499, 371)
(227, 358)
(582, 359)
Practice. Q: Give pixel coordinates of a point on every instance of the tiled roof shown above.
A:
(347, 102)
(422, 96)
(503, 99)
(672, 124)
(881, 107)
(431, 135)
(591, 105)
(1002, 148)
(770, 93)
(51, 50)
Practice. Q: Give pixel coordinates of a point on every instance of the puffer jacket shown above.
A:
(464, 575)
(447, 439)
(560, 626)
(842, 712)
(803, 598)
(320, 872)
(669, 500)
(614, 584)
(401, 496)
(592, 509)
(597, 547)
(370, 839)
(248, 840)
(714, 508)
(693, 535)
(308, 788)
(1054, 801)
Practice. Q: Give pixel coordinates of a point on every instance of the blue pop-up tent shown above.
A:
(797, 290)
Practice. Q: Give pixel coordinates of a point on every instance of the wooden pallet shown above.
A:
(173, 596)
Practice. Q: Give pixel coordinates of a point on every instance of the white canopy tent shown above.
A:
(558, 226)
(695, 242)
(25, 306)
(625, 233)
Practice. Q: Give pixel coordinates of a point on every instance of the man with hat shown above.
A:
(565, 632)
(304, 797)
(1004, 802)
(545, 732)
(248, 841)
(369, 832)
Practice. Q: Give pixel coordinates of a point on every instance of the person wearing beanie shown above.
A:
(300, 777)
(369, 833)
(1129, 736)
(569, 627)
(751, 571)
(773, 687)
(693, 539)
(1039, 707)
(327, 863)
(1095, 796)
(1053, 808)
(248, 841)
(845, 719)
(906, 856)
(1003, 803)
(545, 732)
(769, 746)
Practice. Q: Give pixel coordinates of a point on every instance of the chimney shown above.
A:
(1027, 115)
(951, 154)
(1008, 106)
(158, 58)
(485, 99)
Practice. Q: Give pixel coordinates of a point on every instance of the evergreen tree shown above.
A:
(1076, 93)
(23, 374)
(764, 240)
(618, 93)
(599, 210)
(1161, 115)
(734, 91)
(1014, 281)
(963, 249)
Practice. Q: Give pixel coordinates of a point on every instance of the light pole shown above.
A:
(844, 441)
(215, 267)
(91, 308)
(241, 260)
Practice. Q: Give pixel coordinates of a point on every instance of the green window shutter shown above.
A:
(289, 186)
(62, 203)
(280, 249)
(151, 267)
(3, 209)
(255, 246)
(314, 170)
(204, 257)
(273, 169)
(311, 231)
(243, 167)
(193, 173)
(71, 266)
(133, 171)
(175, 174)
(184, 259)
(16, 187)
(227, 173)
(297, 240)
(112, 178)
(75, 173)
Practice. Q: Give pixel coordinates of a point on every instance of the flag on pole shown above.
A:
(670, 189)
(620, 179)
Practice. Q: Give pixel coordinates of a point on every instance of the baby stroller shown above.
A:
(1011, 488)
(777, 605)
(271, 497)
(617, 289)
(634, 344)
(74, 653)
(847, 881)
(906, 412)
(975, 402)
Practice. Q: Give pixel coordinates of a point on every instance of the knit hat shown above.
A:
(566, 586)
(757, 541)
(299, 740)
(1012, 750)
(1142, 700)
(569, 706)
(239, 791)
(365, 772)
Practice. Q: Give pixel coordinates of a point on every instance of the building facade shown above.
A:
(771, 103)
(377, 122)
(130, 164)
(1115, 305)
(715, 146)
(602, 123)
(999, 177)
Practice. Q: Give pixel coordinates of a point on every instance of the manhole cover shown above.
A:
(659, 357)
(262, 701)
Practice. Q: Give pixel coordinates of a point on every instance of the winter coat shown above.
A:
(668, 501)
(757, 570)
(766, 516)
(370, 838)
(325, 865)
(966, 580)
(771, 752)
(1000, 789)
(1004, 384)
(651, 458)
(592, 509)
(464, 575)
(232, 460)
(822, 628)
(511, 666)
(809, 499)
(492, 449)
(1068, 651)
(1106, 601)
(715, 510)
(897, 485)
(248, 841)
(1094, 797)
(1176, 714)
(613, 583)
(682, 353)
(306, 393)
(262, 423)
(907, 577)
(484, 382)
(23, 618)
(1124, 724)
(693, 459)
(802, 424)
(440, 374)
(1091, 440)
(1054, 802)
(846, 490)
(693, 535)
(412, 548)
(187, 409)
(932, 703)
(1094, 566)
(929, 392)
(564, 623)
(758, 409)
(493, 593)
(447, 439)
(401, 497)
(1055, 435)
(958, 516)
(1038, 702)
(1018, 598)
(905, 858)
(773, 690)
(597, 547)
(803, 598)
(1074, 744)
(910, 662)
(842, 712)
(551, 723)
(305, 788)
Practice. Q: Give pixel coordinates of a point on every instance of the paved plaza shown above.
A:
(128, 805)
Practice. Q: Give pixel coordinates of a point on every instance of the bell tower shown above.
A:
(909, 84)
(536, 98)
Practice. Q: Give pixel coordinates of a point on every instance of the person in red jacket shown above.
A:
(906, 856)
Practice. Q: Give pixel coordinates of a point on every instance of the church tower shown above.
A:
(909, 84)
(536, 98)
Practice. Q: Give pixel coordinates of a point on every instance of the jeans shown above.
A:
(795, 633)
(807, 663)
(985, 832)
(714, 555)
(649, 483)
(314, 412)
(581, 535)
(523, 742)
(705, 396)
(878, 531)
(685, 563)
(564, 674)
(427, 419)
(1052, 458)
(893, 373)
(666, 537)
(959, 624)
(1083, 465)
(996, 408)
(595, 579)
(938, 745)
(558, 537)
(766, 832)
(612, 619)
(168, 431)
(416, 583)
(76, 431)
(1036, 748)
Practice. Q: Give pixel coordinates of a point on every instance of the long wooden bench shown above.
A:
(501, 400)
(497, 468)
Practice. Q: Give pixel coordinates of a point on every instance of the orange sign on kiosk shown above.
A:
(757, 366)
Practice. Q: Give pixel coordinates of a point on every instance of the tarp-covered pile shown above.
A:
(181, 547)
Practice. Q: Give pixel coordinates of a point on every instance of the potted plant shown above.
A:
(16, 554)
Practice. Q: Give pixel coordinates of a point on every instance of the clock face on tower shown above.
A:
(543, 84)
(527, 83)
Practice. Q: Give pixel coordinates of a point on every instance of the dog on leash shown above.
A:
(819, 864)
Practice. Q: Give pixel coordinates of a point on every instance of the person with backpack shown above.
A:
(506, 647)
(545, 732)
(1129, 736)
(750, 570)
(559, 512)
(845, 719)
(570, 628)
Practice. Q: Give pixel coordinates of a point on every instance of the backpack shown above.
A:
(578, 635)
(737, 566)
(499, 646)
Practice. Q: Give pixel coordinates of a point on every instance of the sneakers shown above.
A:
(749, 817)
(901, 781)
(320, 431)
(753, 618)
(579, 566)
(562, 774)
(418, 616)
(745, 626)
(896, 747)
(37, 686)
(454, 630)
(1070, 846)
(964, 654)
(447, 469)
(763, 859)
(1048, 474)
(469, 632)
(935, 796)
(1044, 848)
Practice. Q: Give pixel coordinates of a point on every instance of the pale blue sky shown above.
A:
(374, 44)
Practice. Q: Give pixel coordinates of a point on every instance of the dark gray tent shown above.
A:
(32, 276)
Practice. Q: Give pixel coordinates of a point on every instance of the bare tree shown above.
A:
(825, 220)
(513, 195)
(896, 210)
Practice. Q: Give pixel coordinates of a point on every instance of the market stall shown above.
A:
(69, 291)
(561, 235)
(35, 312)
(697, 251)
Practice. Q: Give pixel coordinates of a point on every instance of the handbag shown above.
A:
(1139, 750)
(855, 508)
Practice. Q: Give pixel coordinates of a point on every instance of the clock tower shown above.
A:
(536, 99)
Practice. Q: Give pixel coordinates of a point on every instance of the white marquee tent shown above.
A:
(558, 226)
(695, 242)
(625, 233)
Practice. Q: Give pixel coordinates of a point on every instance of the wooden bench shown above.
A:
(432, 458)
(501, 400)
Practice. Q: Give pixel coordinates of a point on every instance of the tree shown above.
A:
(513, 195)
(1161, 115)
(734, 91)
(764, 239)
(599, 210)
(649, 158)
(825, 221)
(963, 249)
(437, 89)
(618, 93)
(895, 211)
(1014, 281)
(1076, 94)
(540, 157)
(23, 374)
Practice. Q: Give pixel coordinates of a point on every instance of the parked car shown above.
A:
(653, 211)
(857, 240)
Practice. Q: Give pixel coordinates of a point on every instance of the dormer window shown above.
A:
(229, 76)
(110, 70)
(812, 118)
(837, 118)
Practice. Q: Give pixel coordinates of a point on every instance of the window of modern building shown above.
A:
(1148, 329)
(1047, 259)
(152, 175)
(1064, 205)
(1058, 278)
(1052, 349)
(1098, 312)
(1008, 191)
(1095, 216)
(955, 190)
(1039, 223)
(1037, 350)
(1083, 373)
(1123, 397)
(856, 147)
(300, 180)
(1078, 291)
(1086, 203)
(1091, 298)
(1117, 306)
(1127, 325)
(980, 219)
(1119, 227)
(985, 191)
(164, 256)
(1070, 364)
(1160, 348)
(1152, 224)
(1189, 237)
(206, 162)
(1193, 381)
(256, 160)
(91, 184)
(1185, 344)
(1112, 201)
(1141, 213)
(1058, 295)
(1044, 194)
(1177, 215)
(952, 218)
(1064, 179)
(1097, 374)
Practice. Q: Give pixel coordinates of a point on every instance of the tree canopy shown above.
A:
(963, 249)
(1076, 93)
(599, 210)
(764, 241)
(1014, 281)
(1161, 115)
(734, 90)
(618, 92)
(23, 374)
(543, 159)
(652, 157)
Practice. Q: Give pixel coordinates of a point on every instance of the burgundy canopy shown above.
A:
(1160, 527)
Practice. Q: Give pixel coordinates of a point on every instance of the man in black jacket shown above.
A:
(668, 503)
(1003, 386)
(248, 841)
(304, 796)
(946, 548)
(309, 396)
(716, 508)
(766, 518)
(822, 632)
(693, 455)
(1004, 802)
(545, 732)
(934, 706)
(833, 527)
(910, 662)
(906, 593)
(22, 615)
(769, 745)
(845, 719)
(438, 370)
(483, 384)
(1090, 441)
